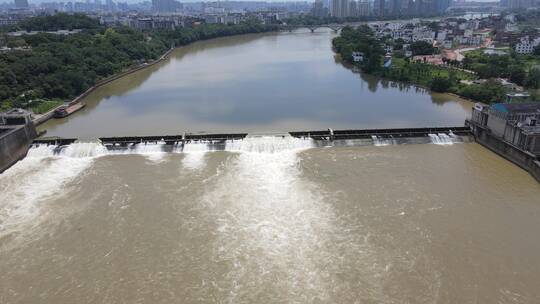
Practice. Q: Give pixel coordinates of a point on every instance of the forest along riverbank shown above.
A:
(224, 86)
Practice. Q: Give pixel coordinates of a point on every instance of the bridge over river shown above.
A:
(336, 27)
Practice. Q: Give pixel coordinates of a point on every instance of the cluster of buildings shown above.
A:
(446, 35)
(157, 13)
(350, 8)
(155, 6)
(174, 21)
(459, 35)
(354, 8)
(519, 4)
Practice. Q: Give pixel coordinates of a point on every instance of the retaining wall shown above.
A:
(523, 159)
(14, 144)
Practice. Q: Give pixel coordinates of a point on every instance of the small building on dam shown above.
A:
(511, 130)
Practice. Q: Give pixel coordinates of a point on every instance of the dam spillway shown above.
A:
(244, 142)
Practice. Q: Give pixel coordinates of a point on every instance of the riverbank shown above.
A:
(50, 114)
(371, 56)
(356, 69)
(42, 118)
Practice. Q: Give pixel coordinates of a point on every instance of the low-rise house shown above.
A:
(526, 46)
(511, 27)
(358, 56)
(517, 97)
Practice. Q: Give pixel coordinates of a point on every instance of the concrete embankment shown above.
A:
(524, 159)
(14, 143)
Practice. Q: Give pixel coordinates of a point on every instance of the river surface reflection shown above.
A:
(255, 83)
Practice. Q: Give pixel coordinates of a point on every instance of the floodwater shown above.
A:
(255, 83)
(268, 219)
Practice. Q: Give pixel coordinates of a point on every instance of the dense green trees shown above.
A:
(187, 35)
(441, 84)
(422, 48)
(490, 91)
(60, 21)
(533, 79)
(362, 40)
(512, 66)
(61, 67)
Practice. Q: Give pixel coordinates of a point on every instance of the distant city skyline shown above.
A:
(189, 1)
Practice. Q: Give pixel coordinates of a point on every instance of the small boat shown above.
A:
(69, 109)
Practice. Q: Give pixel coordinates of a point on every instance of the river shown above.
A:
(255, 83)
(270, 219)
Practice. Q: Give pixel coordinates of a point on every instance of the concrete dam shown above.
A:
(264, 143)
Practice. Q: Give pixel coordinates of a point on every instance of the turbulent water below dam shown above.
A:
(269, 220)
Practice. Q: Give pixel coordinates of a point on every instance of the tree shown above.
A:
(398, 44)
(490, 91)
(440, 84)
(422, 48)
(533, 79)
(517, 74)
(537, 50)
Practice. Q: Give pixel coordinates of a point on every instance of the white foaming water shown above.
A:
(269, 144)
(268, 222)
(274, 223)
(30, 182)
(153, 152)
(441, 139)
(75, 150)
(194, 155)
(377, 141)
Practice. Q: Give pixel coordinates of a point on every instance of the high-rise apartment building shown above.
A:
(364, 9)
(517, 4)
(443, 5)
(21, 3)
(353, 8)
(318, 9)
(339, 8)
(411, 6)
(165, 5)
(395, 7)
(379, 7)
